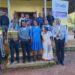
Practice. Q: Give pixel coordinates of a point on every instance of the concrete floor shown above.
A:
(67, 69)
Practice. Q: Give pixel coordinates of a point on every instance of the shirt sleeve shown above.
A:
(8, 21)
(10, 26)
(53, 32)
(31, 32)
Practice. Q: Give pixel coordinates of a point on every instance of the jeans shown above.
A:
(4, 30)
(26, 49)
(14, 47)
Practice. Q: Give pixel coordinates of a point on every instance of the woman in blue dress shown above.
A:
(36, 41)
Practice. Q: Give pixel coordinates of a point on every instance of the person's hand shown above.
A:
(30, 40)
(53, 43)
(51, 38)
(42, 40)
(19, 40)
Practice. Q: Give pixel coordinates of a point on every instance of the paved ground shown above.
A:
(67, 69)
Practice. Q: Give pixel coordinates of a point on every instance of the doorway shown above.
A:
(30, 14)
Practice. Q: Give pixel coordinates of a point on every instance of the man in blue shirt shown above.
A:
(40, 20)
(60, 34)
(14, 42)
(24, 34)
(50, 18)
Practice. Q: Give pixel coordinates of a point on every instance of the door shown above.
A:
(30, 14)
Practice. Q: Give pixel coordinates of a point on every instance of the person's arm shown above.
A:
(43, 27)
(20, 34)
(31, 33)
(8, 21)
(66, 35)
(0, 20)
(17, 26)
(10, 26)
(42, 33)
(53, 18)
(20, 22)
(53, 33)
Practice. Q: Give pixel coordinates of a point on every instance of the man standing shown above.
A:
(4, 23)
(50, 18)
(60, 34)
(21, 18)
(35, 16)
(40, 20)
(14, 41)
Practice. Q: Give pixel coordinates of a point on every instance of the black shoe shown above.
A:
(18, 62)
(62, 64)
(24, 61)
(34, 60)
(29, 61)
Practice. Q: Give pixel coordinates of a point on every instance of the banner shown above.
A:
(12, 34)
(60, 9)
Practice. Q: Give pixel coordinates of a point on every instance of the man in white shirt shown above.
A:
(22, 18)
(60, 34)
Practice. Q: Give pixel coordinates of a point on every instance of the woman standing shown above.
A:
(47, 46)
(36, 41)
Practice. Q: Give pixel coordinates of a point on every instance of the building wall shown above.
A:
(3, 3)
(25, 5)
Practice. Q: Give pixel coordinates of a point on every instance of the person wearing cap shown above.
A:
(47, 45)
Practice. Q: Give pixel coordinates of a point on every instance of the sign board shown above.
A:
(13, 34)
(60, 9)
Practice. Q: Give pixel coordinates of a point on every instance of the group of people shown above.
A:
(36, 37)
(31, 38)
